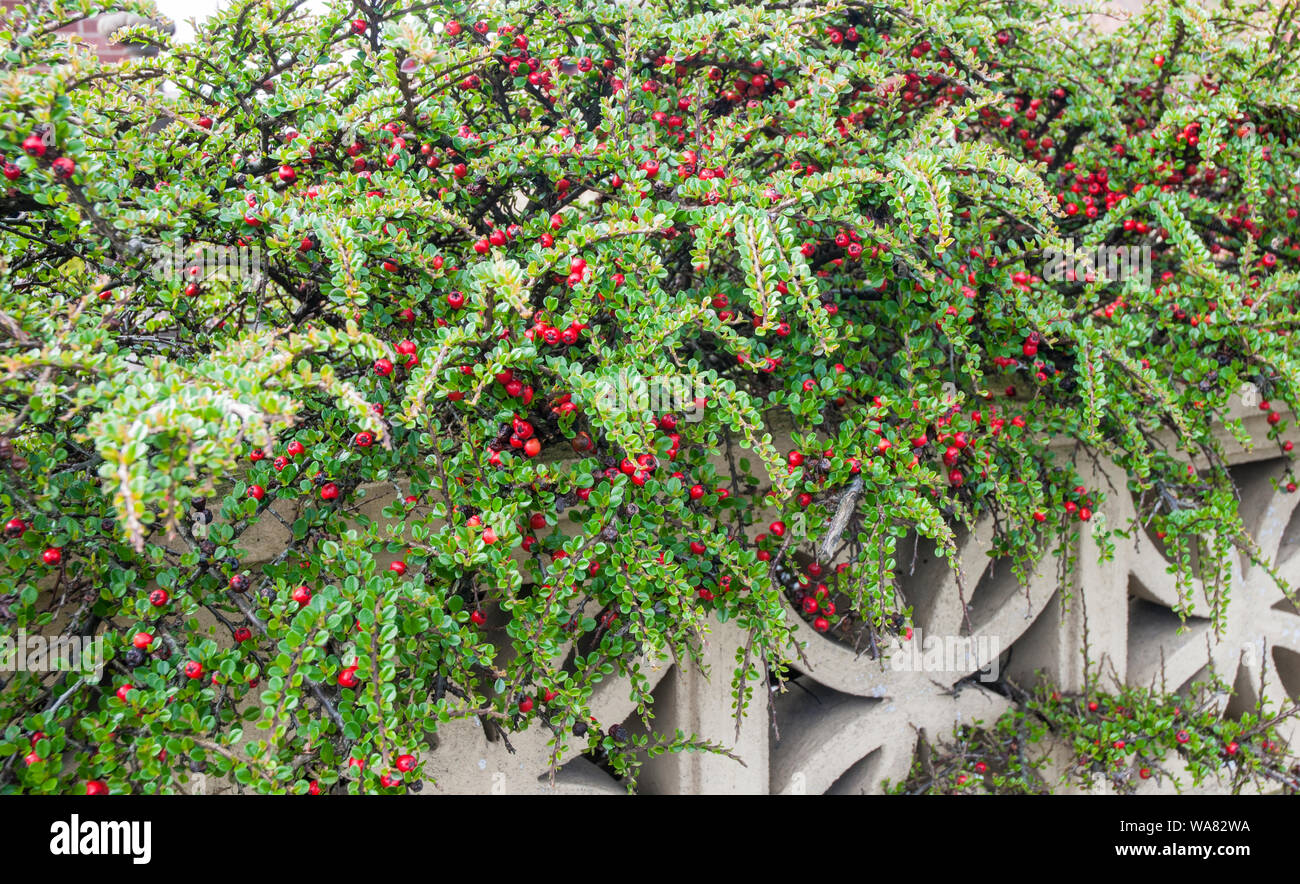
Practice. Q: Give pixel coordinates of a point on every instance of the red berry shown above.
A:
(777, 529)
(52, 555)
(142, 640)
(257, 492)
(193, 669)
(95, 787)
(348, 677)
(302, 595)
(329, 491)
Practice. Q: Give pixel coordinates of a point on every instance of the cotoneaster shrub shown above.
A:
(1116, 740)
(470, 224)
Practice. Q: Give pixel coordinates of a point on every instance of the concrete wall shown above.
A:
(851, 721)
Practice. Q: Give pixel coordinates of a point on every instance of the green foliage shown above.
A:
(828, 222)
(1110, 741)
